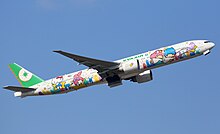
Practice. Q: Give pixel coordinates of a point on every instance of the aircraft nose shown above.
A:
(209, 45)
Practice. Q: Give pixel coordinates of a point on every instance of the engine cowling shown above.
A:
(143, 77)
(114, 81)
(130, 66)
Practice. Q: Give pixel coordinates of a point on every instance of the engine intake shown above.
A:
(114, 81)
(143, 77)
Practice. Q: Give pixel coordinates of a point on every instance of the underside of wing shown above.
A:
(100, 65)
(19, 89)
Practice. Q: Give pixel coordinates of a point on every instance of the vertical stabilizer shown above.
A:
(25, 78)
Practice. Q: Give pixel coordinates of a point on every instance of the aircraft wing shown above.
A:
(19, 89)
(100, 65)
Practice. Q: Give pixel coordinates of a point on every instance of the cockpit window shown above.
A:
(207, 41)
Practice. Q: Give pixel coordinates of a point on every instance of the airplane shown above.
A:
(135, 68)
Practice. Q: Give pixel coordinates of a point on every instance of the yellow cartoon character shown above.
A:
(96, 78)
(63, 84)
(45, 91)
(191, 49)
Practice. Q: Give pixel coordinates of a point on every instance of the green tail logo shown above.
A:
(25, 78)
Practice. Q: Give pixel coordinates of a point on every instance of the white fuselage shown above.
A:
(129, 67)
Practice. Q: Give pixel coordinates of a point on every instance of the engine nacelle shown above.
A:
(114, 81)
(130, 66)
(143, 77)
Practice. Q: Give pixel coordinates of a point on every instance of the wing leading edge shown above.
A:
(100, 65)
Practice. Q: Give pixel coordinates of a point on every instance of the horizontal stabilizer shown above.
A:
(19, 89)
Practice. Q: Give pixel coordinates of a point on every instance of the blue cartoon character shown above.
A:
(56, 83)
(169, 54)
(65, 86)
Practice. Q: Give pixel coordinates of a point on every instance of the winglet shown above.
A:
(57, 51)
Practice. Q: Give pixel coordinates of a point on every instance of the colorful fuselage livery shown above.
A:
(135, 68)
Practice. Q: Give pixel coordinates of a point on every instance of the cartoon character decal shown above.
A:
(171, 54)
(157, 54)
(45, 91)
(74, 81)
(155, 58)
(56, 84)
(77, 79)
(191, 49)
(90, 78)
(142, 64)
(86, 77)
(59, 85)
(62, 84)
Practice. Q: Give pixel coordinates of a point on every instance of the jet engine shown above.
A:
(143, 77)
(114, 81)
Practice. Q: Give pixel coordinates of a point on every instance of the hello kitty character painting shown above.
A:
(77, 78)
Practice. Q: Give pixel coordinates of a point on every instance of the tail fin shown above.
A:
(24, 77)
